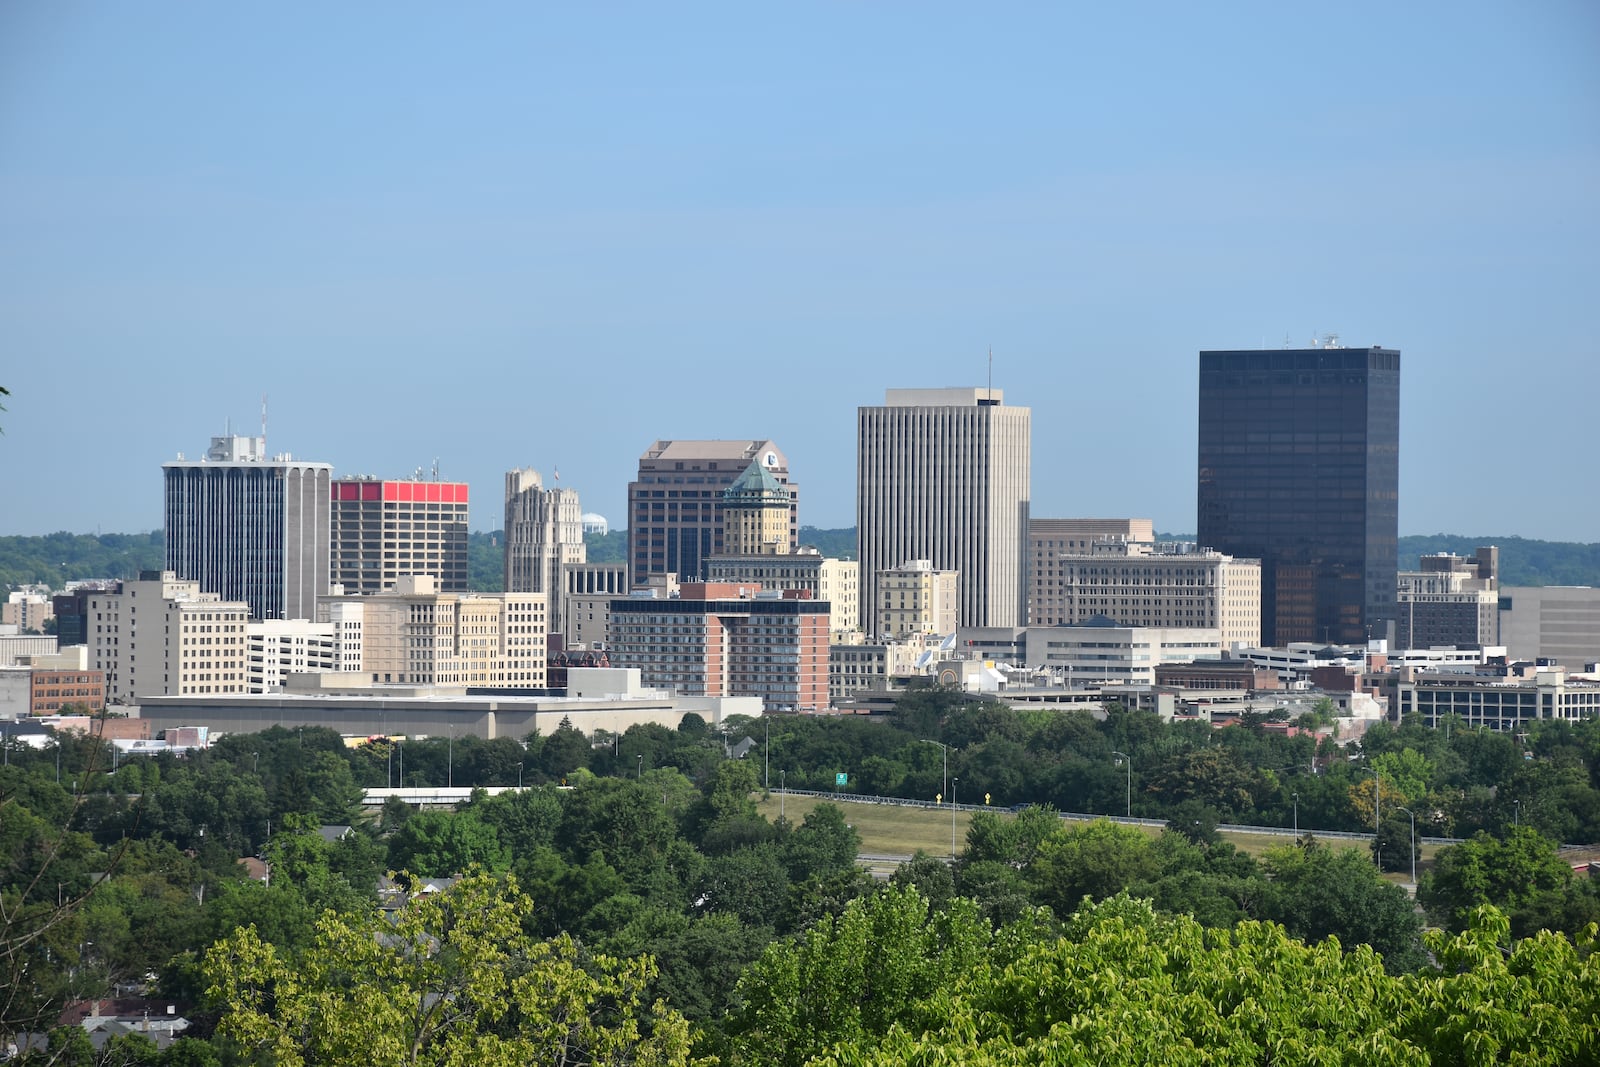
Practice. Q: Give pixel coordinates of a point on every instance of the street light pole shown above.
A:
(1413, 847)
(1296, 816)
(953, 783)
(945, 779)
(1129, 761)
(766, 774)
(640, 775)
(783, 791)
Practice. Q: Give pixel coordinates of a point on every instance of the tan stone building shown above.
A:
(1161, 586)
(916, 598)
(544, 535)
(416, 635)
(1050, 539)
(162, 635)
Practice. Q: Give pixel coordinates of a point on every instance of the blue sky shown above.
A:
(547, 235)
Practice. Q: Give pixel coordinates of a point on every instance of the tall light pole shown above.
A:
(783, 792)
(640, 775)
(1129, 761)
(766, 773)
(944, 787)
(1377, 799)
(1296, 816)
(1413, 848)
(953, 783)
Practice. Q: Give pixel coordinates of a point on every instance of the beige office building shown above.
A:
(416, 635)
(943, 475)
(1050, 539)
(1164, 585)
(916, 598)
(1559, 623)
(161, 635)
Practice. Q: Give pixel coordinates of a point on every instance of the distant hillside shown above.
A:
(57, 558)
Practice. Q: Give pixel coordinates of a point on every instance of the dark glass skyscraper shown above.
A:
(1300, 467)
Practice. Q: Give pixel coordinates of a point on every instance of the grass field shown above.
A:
(896, 830)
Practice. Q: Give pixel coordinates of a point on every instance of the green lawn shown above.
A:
(897, 830)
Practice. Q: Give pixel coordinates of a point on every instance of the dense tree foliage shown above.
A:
(642, 859)
(450, 979)
(58, 558)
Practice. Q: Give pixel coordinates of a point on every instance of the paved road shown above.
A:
(1074, 816)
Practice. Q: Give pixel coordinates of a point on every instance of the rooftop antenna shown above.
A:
(263, 422)
(990, 386)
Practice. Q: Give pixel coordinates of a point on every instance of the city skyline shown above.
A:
(431, 237)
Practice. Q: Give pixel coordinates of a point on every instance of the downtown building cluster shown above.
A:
(280, 576)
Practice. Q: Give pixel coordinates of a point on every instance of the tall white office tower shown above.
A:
(942, 475)
(544, 532)
(251, 528)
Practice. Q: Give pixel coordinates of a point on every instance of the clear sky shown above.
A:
(547, 234)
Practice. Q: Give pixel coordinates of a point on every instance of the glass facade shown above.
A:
(1299, 466)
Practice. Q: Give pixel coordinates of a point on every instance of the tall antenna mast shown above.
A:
(263, 422)
(990, 386)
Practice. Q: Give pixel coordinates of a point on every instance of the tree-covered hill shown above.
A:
(57, 558)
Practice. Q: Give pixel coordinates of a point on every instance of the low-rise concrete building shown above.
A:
(1504, 704)
(598, 699)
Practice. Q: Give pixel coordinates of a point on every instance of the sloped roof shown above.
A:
(756, 484)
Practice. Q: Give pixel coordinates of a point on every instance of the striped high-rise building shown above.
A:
(249, 528)
(943, 475)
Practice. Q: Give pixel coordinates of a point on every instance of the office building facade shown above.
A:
(1557, 623)
(943, 475)
(1299, 467)
(1051, 539)
(544, 535)
(727, 640)
(385, 530)
(163, 635)
(916, 598)
(414, 634)
(1160, 585)
(1450, 601)
(836, 582)
(675, 504)
(249, 528)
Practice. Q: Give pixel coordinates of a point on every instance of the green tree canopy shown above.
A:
(451, 979)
